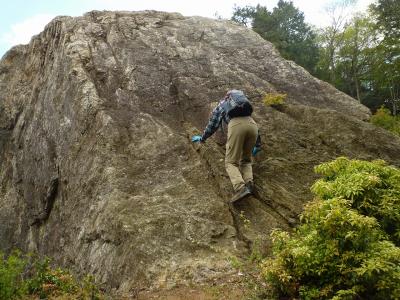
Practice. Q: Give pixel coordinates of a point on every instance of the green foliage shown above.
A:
(356, 41)
(388, 15)
(23, 275)
(373, 188)
(47, 281)
(360, 56)
(243, 15)
(245, 220)
(12, 284)
(341, 249)
(285, 28)
(255, 254)
(384, 119)
(272, 99)
(235, 262)
(335, 252)
(347, 55)
(90, 289)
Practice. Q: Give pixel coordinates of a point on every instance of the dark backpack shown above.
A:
(237, 105)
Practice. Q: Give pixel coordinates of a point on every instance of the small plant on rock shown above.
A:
(274, 99)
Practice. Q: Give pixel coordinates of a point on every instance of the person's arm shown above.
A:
(213, 123)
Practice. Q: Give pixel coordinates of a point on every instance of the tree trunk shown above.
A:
(357, 89)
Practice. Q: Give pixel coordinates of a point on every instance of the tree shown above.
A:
(388, 21)
(285, 28)
(384, 75)
(354, 56)
(243, 15)
(330, 39)
(388, 17)
(360, 57)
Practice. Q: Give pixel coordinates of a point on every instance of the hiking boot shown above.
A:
(250, 186)
(240, 194)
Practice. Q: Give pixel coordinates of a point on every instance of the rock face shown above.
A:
(97, 169)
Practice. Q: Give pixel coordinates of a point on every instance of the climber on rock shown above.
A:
(243, 140)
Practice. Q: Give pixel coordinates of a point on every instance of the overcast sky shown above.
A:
(20, 19)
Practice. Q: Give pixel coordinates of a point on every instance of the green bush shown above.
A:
(373, 189)
(384, 119)
(45, 280)
(12, 268)
(28, 275)
(340, 250)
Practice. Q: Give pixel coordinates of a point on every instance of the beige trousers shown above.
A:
(242, 136)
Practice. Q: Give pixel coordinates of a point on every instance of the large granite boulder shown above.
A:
(97, 168)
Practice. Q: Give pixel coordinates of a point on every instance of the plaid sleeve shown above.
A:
(213, 123)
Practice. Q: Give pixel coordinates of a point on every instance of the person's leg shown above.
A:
(234, 149)
(248, 144)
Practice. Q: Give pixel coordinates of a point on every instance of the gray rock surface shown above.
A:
(97, 170)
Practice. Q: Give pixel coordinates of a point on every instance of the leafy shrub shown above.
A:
(22, 275)
(274, 99)
(373, 189)
(46, 281)
(384, 119)
(90, 289)
(12, 284)
(336, 253)
(340, 250)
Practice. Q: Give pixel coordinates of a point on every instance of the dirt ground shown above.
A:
(211, 293)
(241, 286)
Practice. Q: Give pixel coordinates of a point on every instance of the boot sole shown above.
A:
(244, 195)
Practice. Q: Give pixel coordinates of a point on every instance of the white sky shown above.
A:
(28, 17)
